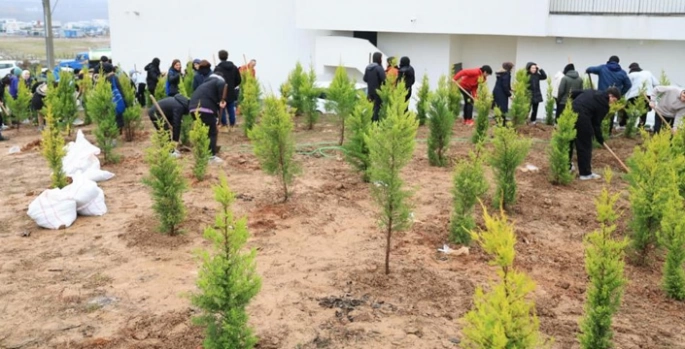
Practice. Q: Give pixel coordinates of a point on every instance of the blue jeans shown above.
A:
(230, 111)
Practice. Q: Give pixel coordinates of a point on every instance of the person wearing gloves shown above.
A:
(173, 108)
(536, 75)
(669, 102)
(639, 79)
(591, 107)
(570, 82)
(206, 101)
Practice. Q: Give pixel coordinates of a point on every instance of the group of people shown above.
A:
(375, 76)
(215, 93)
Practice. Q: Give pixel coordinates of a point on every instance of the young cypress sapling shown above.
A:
(132, 120)
(650, 187)
(587, 82)
(186, 125)
(672, 237)
(678, 151)
(520, 102)
(308, 95)
(604, 264)
(101, 107)
(455, 99)
(469, 186)
(53, 149)
(386, 92)
(273, 143)
(63, 102)
(356, 148)
(85, 87)
(250, 105)
(160, 89)
(440, 122)
(21, 106)
(227, 280)
(391, 145)
(560, 146)
(483, 105)
(188, 79)
(165, 181)
(663, 79)
(199, 138)
(296, 80)
(423, 103)
(549, 105)
(634, 111)
(342, 98)
(286, 91)
(505, 316)
(507, 154)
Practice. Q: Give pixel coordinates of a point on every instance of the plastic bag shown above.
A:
(53, 209)
(82, 158)
(82, 190)
(95, 207)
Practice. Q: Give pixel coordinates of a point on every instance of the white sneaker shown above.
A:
(4, 127)
(215, 160)
(176, 154)
(590, 177)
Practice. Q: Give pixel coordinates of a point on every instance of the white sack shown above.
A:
(82, 158)
(53, 209)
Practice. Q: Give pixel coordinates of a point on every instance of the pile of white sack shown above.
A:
(55, 208)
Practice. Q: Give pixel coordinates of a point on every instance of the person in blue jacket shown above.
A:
(611, 74)
(203, 72)
(173, 78)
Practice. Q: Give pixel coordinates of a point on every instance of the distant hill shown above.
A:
(66, 10)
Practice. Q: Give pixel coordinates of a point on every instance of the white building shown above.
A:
(435, 34)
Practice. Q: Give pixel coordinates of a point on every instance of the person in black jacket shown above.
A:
(153, 75)
(206, 101)
(591, 107)
(536, 75)
(232, 78)
(374, 77)
(4, 83)
(502, 90)
(203, 72)
(38, 102)
(173, 108)
(173, 78)
(406, 73)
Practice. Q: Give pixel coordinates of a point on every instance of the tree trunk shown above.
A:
(387, 247)
(342, 132)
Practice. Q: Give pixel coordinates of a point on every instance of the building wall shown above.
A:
(617, 27)
(142, 30)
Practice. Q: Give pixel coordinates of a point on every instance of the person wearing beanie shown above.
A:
(173, 108)
(536, 75)
(117, 94)
(153, 75)
(38, 102)
(374, 77)
(591, 107)
(502, 91)
(196, 64)
(204, 70)
(669, 102)
(570, 82)
(639, 78)
(467, 81)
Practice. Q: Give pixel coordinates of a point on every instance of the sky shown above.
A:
(65, 10)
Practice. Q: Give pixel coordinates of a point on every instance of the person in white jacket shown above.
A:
(643, 81)
(669, 102)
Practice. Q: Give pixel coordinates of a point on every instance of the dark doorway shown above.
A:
(371, 36)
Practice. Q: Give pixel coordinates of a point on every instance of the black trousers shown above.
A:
(376, 106)
(406, 99)
(560, 109)
(210, 121)
(534, 111)
(151, 88)
(175, 123)
(140, 94)
(583, 144)
(468, 106)
(658, 123)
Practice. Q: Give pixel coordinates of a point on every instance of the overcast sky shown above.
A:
(65, 10)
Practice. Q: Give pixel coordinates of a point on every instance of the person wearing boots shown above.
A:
(173, 108)
(591, 107)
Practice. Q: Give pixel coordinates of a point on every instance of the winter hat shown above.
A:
(508, 66)
(107, 68)
(42, 89)
(614, 59)
(569, 67)
(634, 67)
(404, 61)
(197, 61)
(17, 72)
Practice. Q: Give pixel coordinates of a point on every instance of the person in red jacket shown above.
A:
(467, 80)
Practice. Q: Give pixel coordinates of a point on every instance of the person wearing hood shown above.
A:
(592, 106)
(639, 78)
(406, 74)
(153, 75)
(570, 82)
(611, 74)
(536, 75)
(203, 72)
(4, 83)
(196, 64)
(14, 82)
(232, 78)
(502, 91)
(374, 77)
(117, 94)
(669, 102)
(173, 108)
(38, 102)
(467, 80)
(391, 69)
(206, 100)
(173, 78)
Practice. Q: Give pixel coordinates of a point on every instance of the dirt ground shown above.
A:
(114, 282)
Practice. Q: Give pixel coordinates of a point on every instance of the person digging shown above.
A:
(173, 108)
(592, 106)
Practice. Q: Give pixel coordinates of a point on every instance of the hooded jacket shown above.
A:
(207, 97)
(639, 79)
(173, 108)
(153, 73)
(502, 90)
(232, 78)
(668, 102)
(200, 76)
(594, 105)
(406, 73)
(534, 87)
(570, 82)
(374, 77)
(611, 74)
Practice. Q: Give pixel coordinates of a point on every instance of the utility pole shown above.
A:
(49, 44)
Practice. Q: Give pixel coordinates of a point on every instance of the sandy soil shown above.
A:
(113, 282)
